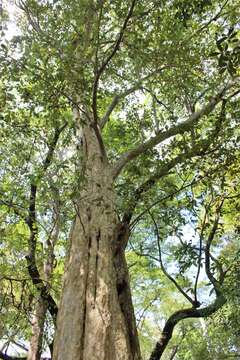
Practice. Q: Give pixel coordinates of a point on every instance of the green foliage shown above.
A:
(174, 56)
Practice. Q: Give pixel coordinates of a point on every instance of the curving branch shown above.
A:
(194, 312)
(179, 316)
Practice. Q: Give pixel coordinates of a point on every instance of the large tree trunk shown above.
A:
(96, 319)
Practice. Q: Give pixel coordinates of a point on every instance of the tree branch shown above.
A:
(17, 209)
(210, 238)
(214, 18)
(180, 128)
(194, 304)
(125, 93)
(198, 150)
(107, 61)
(199, 256)
(181, 315)
(32, 224)
(194, 312)
(175, 350)
(183, 187)
(159, 102)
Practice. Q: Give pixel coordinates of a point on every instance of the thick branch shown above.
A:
(180, 128)
(181, 315)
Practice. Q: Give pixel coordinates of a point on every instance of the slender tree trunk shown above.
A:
(96, 319)
(38, 320)
(41, 307)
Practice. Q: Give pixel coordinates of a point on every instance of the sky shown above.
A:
(9, 7)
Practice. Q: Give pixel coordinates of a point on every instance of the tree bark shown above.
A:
(96, 319)
(38, 320)
(41, 306)
(179, 316)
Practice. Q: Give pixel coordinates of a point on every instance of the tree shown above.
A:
(109, 109)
